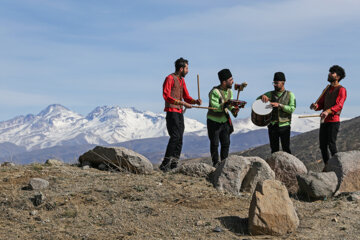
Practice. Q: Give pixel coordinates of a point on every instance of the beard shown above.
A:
(331, 79)
(277, 89)
(183, 74)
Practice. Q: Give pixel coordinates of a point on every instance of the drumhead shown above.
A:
(261, 108)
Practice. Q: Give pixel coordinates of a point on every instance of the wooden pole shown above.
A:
(308, 116)
(198, 84)
(322, 93)
(204, 107)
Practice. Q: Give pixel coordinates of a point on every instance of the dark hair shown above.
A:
(338, 70)
(180, 63)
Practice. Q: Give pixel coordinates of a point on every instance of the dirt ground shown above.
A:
(94, 204)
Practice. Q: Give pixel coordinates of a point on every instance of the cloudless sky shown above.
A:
(86, 53)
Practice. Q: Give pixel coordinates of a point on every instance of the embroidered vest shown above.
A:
(176, 92)
(222, 99)
(330, 98)
(277, 113)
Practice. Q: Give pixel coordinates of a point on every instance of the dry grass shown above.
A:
(93, 204)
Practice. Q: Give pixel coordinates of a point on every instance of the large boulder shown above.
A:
(271, 211)
(316, 185)
(230, 173)
(346, 165)
(195, 169)
(286, 167)
(259, 171)
(117, 157)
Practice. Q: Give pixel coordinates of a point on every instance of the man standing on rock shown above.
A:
(219, 124)
(284, 104)
(331, 104)
(176, 96)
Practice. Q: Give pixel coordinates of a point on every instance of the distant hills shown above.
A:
(57, 132)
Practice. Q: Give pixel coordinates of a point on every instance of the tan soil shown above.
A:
(93, 204)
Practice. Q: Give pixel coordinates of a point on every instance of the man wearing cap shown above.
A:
(284, 104)
(176, 96)
(219, 124)
(331, 104)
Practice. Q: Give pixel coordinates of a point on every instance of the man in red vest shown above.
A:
(176, 97)
(331, 104)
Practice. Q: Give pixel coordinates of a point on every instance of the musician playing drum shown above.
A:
(284, 104)
(331, 103)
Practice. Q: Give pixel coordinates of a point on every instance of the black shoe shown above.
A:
(165, 165)
(174, 162)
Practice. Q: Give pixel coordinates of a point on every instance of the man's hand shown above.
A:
(313, 106)
(226, 104)
(264, 98)
(274, 104)
(198, 102)
(187, 105)
(324, 114)
(235, 111)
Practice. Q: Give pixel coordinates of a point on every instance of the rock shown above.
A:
(230, 173)
(355, 196)
(271, 210)
(286, 167)
(54, 162)
(316, 185)
(33, 213)
(8, 164)
(259, 171)
(38, 183)
(85, 167)
(346, 165)
(102, 166)
(217, 229)
(200, 223)
(195, 169)
(117, 157)
(38, 199)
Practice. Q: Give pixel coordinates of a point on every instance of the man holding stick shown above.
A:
(176, 96)
(331, 103)
(218, 120)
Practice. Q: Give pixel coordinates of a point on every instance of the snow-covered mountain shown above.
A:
(58, 126)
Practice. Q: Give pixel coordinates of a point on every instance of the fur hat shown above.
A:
(224, 74)
(279, 76)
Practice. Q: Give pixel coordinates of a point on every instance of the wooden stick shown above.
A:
(322, 93)
(204, 107)
(308, 116)
(198, 83)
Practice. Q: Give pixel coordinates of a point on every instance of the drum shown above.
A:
(261, 113)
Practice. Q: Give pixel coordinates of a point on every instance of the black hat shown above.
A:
(279, 76)
(224, 74)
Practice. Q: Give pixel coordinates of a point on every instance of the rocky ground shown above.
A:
(94, 204)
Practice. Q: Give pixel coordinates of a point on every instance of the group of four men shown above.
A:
(219, 125)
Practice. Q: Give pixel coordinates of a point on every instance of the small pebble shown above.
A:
(217, 229)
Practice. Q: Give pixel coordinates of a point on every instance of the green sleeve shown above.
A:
(268, 94)
(214, 101)
(292, 104)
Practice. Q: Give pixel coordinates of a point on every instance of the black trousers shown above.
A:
(276, 132)
(327, 138)
(218, 132)
(175, 126)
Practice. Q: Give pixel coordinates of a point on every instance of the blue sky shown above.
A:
(87, 53)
